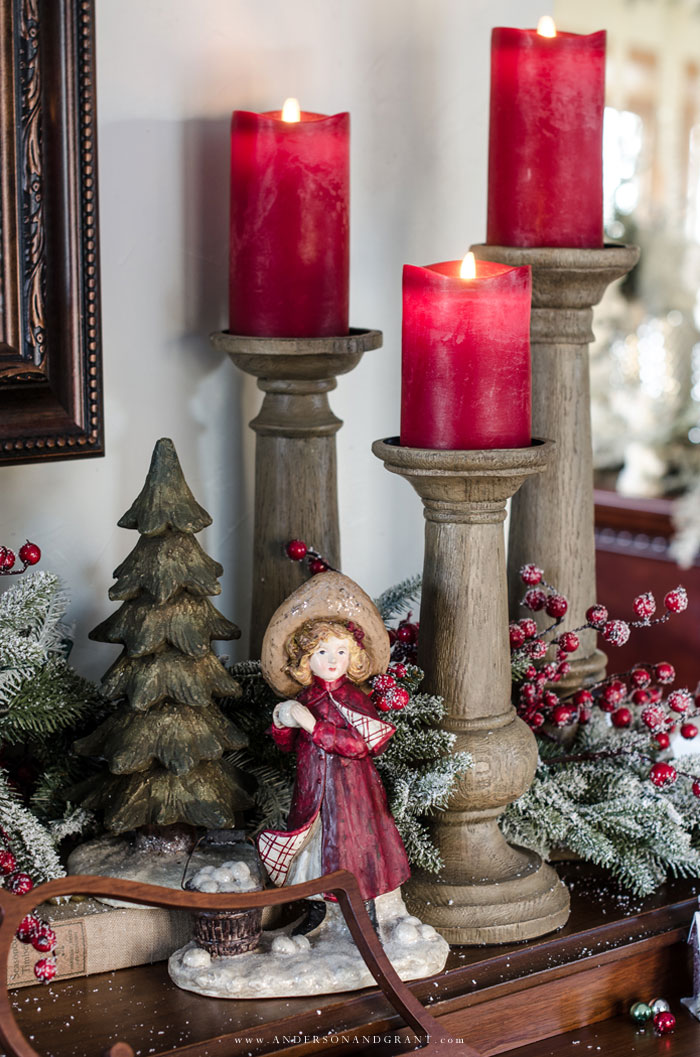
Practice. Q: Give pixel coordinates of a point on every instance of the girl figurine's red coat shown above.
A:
(337, 780)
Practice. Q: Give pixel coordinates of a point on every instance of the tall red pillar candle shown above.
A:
(465, 374)
(290, 191)
(546, 139)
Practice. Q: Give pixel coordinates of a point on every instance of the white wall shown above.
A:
(414, 75)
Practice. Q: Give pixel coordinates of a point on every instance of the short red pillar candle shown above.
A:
(546, 139)
(290, 191)
(465, 375)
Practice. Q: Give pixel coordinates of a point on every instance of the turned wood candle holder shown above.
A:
(488, 890)
(296, 490)
(552, 515)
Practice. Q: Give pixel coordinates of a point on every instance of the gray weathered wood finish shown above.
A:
(488, 891)
(552, 515)
(296, 489)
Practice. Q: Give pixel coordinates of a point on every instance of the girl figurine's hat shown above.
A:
(326, 596)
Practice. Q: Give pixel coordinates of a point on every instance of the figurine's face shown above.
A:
(330, 661)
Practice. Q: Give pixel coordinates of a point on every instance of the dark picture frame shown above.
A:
(50, 345)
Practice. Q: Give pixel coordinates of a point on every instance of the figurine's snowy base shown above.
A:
(692, 1005)
(117, 857)
(321, 963)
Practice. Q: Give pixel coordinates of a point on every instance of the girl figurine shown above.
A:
(325, 640)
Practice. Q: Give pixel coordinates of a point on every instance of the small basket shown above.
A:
(227, 932)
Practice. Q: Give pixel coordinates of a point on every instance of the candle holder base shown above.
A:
(522, 904)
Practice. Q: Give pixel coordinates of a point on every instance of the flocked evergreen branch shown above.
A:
(396, 600)
(32, 844)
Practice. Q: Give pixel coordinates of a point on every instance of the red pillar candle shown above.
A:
(290, 258)
(546, 139)
(465, 374)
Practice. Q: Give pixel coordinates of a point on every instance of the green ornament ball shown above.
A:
(641, 1012)
(659, 1005)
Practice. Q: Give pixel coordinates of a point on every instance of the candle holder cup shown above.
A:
(552, 516)
(296, 492)
(488, 891)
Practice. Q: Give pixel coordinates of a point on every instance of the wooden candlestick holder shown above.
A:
(488, 890)
(552, 516)
(296, 491)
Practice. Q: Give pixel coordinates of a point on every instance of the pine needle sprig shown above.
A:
(396, 600)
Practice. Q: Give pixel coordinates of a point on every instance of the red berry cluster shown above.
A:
(29, 554)
(404, 640)
(299, 551)
(31, 929)
(386, 692)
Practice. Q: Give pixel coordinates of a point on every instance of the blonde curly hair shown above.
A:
(304, 642)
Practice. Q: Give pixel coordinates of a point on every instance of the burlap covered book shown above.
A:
(94, 938)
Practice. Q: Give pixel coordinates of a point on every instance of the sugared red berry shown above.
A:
(614, 692)
(528, 693)
(399, 671)
(664, 673)
(528, 626)
(399, 698)
(645, 605)
(556, 606)
(616, 632)
(296, 550)
(29, 553)
(317, 566)
(640, 697)
(536, 649)
(569, 642)
(584, 715)
(680, 700)
(535, 599)
(654, 718)
(44, 939)
(28, 928)
(563, 715)
(20, 883)
(640, 678)
(662, 740)
(531, 575)
(677, 600)
(537, 720)
(583, 698)
(383, 683)
(382, 703)
(696, 788)
(8, 863)
(597, 616)
(45, 969)
(551, 700)
(689, 731)
(663, 774)
(517, 636)
(655, 694)
(7, 558)
(621, 717)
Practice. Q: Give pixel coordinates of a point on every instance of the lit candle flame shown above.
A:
(291, 111)
(546, 27)
(468, 268)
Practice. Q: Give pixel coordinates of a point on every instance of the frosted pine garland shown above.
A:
(396, 600)
(608, 812)
(30, 841)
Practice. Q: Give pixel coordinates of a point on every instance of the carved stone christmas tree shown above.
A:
(164, 745)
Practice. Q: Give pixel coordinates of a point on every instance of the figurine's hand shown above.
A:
(283, 715)
(303, 717)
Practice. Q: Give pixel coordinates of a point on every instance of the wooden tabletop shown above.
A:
(569, 988)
